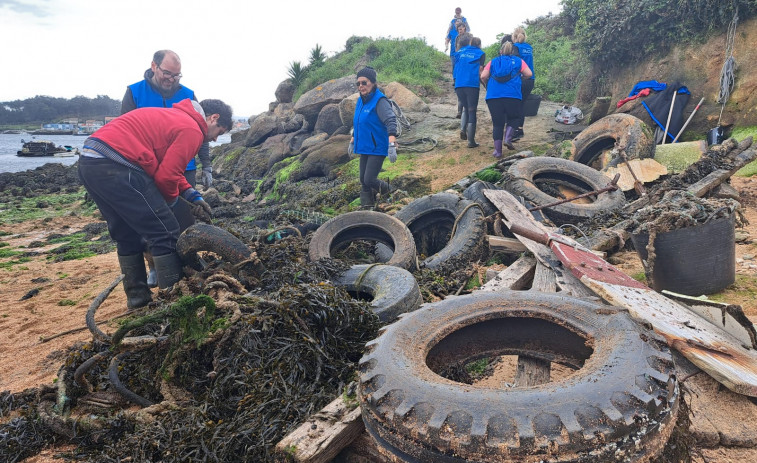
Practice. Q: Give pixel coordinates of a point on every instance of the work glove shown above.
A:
(207, 176)
(351, 149)
(200, 209)
(392, 154)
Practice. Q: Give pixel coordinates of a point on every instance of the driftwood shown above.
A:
(516, 276)
(501, 244)
(323, 435)
(615, 237)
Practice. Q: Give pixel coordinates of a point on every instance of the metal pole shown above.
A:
(688, 120)
(670, 113)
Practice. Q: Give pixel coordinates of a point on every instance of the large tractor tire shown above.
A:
(619, 405)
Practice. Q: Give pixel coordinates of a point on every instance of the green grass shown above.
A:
(5, 253)
(9, 265)
(410, 62)
(477, 368)
(739, 134)
(640, 276)
(66, 302)
(13, 210)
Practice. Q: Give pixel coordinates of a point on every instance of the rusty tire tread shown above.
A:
(205, 237)
(475, 193)
(365, 225)
(622, 129)
(442, 209)
(526, 171)
(621, 403)
(394, 290)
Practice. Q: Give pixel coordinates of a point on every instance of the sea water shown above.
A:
(10, 144)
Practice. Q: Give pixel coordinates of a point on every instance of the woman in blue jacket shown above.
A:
(502, 77)
(374, 129)
(526, 53)
(469, 61)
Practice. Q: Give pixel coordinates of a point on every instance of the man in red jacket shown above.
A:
(133, 168)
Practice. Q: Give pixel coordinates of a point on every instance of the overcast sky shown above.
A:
(237, 51)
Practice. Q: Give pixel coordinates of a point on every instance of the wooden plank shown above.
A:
(544, 279)
(727, 316)
(516, 276)
(704, 344)
(502, 244)
(323, 435)
(516, 213)
(719, 176)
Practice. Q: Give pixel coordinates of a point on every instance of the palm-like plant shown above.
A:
(297, 73)
(317, 56)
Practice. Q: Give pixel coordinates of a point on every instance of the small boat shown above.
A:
(44, 148)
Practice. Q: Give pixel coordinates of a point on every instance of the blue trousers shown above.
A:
(132, 205)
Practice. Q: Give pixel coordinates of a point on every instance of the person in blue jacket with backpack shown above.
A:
(526, 52)
(374, 132)
(469, 61)
(502, 78)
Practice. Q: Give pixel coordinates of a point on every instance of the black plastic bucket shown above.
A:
(531, 105)
(695, 260)
(715, 136)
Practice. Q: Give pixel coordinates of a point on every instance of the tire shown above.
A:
(475, 193)
(392, 290)
(530, 175)
(625, 130)
(431, 220)
(365, 225)
(204, 237)
(620, 405)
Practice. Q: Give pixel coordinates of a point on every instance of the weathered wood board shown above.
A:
(323, 435)
(706, 345)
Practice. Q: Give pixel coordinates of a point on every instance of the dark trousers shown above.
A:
(469, 98)
(181, 209)
(132, 206)
(504, 111)
(370, 167)
(526, 87)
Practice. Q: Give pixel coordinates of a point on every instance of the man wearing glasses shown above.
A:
(160, 88)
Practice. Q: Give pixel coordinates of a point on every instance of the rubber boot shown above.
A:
(463, 124)
(472, 135)
(518, 134)
(152, 275)
(169, 268)
(135, 281)
(497, 149)
(367, 200)
(509, 137)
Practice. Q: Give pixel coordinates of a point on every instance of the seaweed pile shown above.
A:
(224, 365)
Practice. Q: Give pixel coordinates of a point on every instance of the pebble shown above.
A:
(748, 256)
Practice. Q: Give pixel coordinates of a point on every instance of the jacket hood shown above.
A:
(188, 106)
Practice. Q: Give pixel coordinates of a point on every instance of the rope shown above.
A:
(460, 216)
(360, 277)
(402, 122)
(727, 73)
(570, 225)
(428, 144)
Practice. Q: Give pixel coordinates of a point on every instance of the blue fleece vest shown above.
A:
(505, 65)
(467, 63)
(369, 133)
(146, 97)
(526, 53)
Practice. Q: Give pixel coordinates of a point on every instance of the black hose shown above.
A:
(118, 385)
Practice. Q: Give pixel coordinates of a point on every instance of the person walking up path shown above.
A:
(502, 78)
(469, 62)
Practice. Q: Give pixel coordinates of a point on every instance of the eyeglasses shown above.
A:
(170, 75)
(361, 83)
